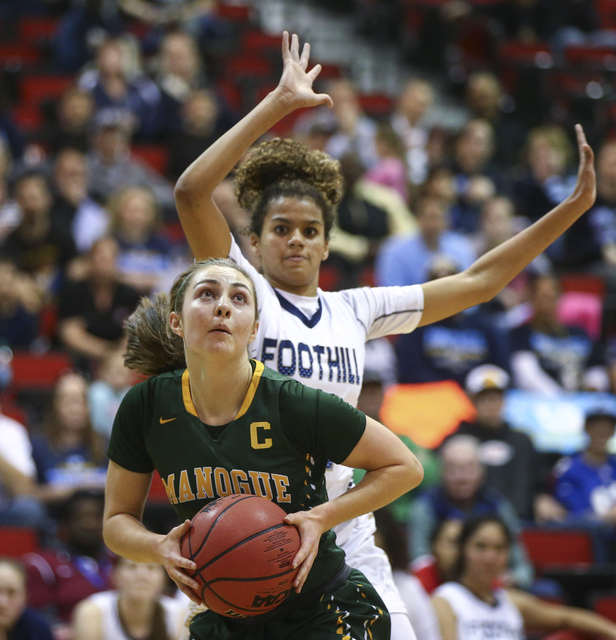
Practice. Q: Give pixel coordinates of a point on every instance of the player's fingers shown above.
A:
(285, 44)
(304, 570)
(179, 576)
(295, 46)
(303, 61)
(184, 563)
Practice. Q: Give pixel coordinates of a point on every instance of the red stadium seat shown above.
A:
(234, 12)
(605, 605)
(19, 54)
(154, 155)
(157, 490)
(376, 104)
(37, 29)
(257, 42)
(39, 372)
(558, 548)
(17, 541)
(37, 88)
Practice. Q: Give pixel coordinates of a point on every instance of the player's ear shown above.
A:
(175, 322)
(325, 251)
(253, 332)
(255, 244)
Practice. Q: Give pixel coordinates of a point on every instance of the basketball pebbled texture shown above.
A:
(243, 551)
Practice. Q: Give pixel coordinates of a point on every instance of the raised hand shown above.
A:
(296, 81)
(586, 186)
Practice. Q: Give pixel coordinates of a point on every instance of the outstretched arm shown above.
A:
(494, 270)
(538, 614)
(204, 225)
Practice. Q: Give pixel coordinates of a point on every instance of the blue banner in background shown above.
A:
(555, 423)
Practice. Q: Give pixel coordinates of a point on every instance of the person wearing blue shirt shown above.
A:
(404, 260)
(586, 484)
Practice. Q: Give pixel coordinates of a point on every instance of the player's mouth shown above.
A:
(221, 329)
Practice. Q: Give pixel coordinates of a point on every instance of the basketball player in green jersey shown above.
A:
(213, 422)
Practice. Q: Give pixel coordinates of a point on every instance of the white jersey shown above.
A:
(174, 612)
(321, 343)
(478, 620)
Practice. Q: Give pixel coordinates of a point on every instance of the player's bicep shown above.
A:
(444, 297)
(446, 618)
(125, 491)
(205, 227)
(378, 447)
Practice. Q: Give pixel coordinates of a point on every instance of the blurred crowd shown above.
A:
(87, 227)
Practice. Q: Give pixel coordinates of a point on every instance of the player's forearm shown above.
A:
(128, 537)
(588, 622)
(377, 489)
(201, 178)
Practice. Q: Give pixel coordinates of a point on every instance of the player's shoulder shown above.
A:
(144, 392)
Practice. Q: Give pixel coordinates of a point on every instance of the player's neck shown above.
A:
(218, 389)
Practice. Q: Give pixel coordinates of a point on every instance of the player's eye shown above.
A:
(310, 232)
(280, 229)
(240, 297)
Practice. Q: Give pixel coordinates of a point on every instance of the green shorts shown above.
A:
(351, 611)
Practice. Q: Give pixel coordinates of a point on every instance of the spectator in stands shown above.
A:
(74, 113)
(436, 567)
(407, 120)
(17, 622)
(512, 464)
(111, 165)
(448, 349)
(549, 356)
(118, 82)
(390, 537)
(92, 311)
(59, 578)
(79, 29)
(472, 607)
(391, 170)
(135, 608)
(9, 210)
(186, 14)
(485, 100)
(463, 493)
(355, 131)
(72, 208)
(476, 178)
(68, 453)
(144, 253)
(407, 259)
(180, 74)
(20, 304)
(201, 124)
(600, 228)
(18, 505)
(585, 484)
(546, 180)
(367, 214)
(112, 382)
(37, 247)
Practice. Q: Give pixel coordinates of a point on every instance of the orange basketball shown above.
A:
(243, 551)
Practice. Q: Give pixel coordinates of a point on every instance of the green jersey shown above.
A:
(277, 447)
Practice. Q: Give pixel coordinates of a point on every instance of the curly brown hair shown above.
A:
(287, 168)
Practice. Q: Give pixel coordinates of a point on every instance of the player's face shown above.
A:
(139, 580)
(486, 554)
(218, 313)
(292, 245)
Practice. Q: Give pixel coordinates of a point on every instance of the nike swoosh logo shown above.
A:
(167, 420)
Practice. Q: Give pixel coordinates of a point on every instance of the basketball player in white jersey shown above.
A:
(315, 336)
(472, 608)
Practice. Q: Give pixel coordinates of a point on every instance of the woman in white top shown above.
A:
(319, 337)
(472, 608)
(135, 610)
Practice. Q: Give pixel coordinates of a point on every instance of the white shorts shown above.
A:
(363, 554)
